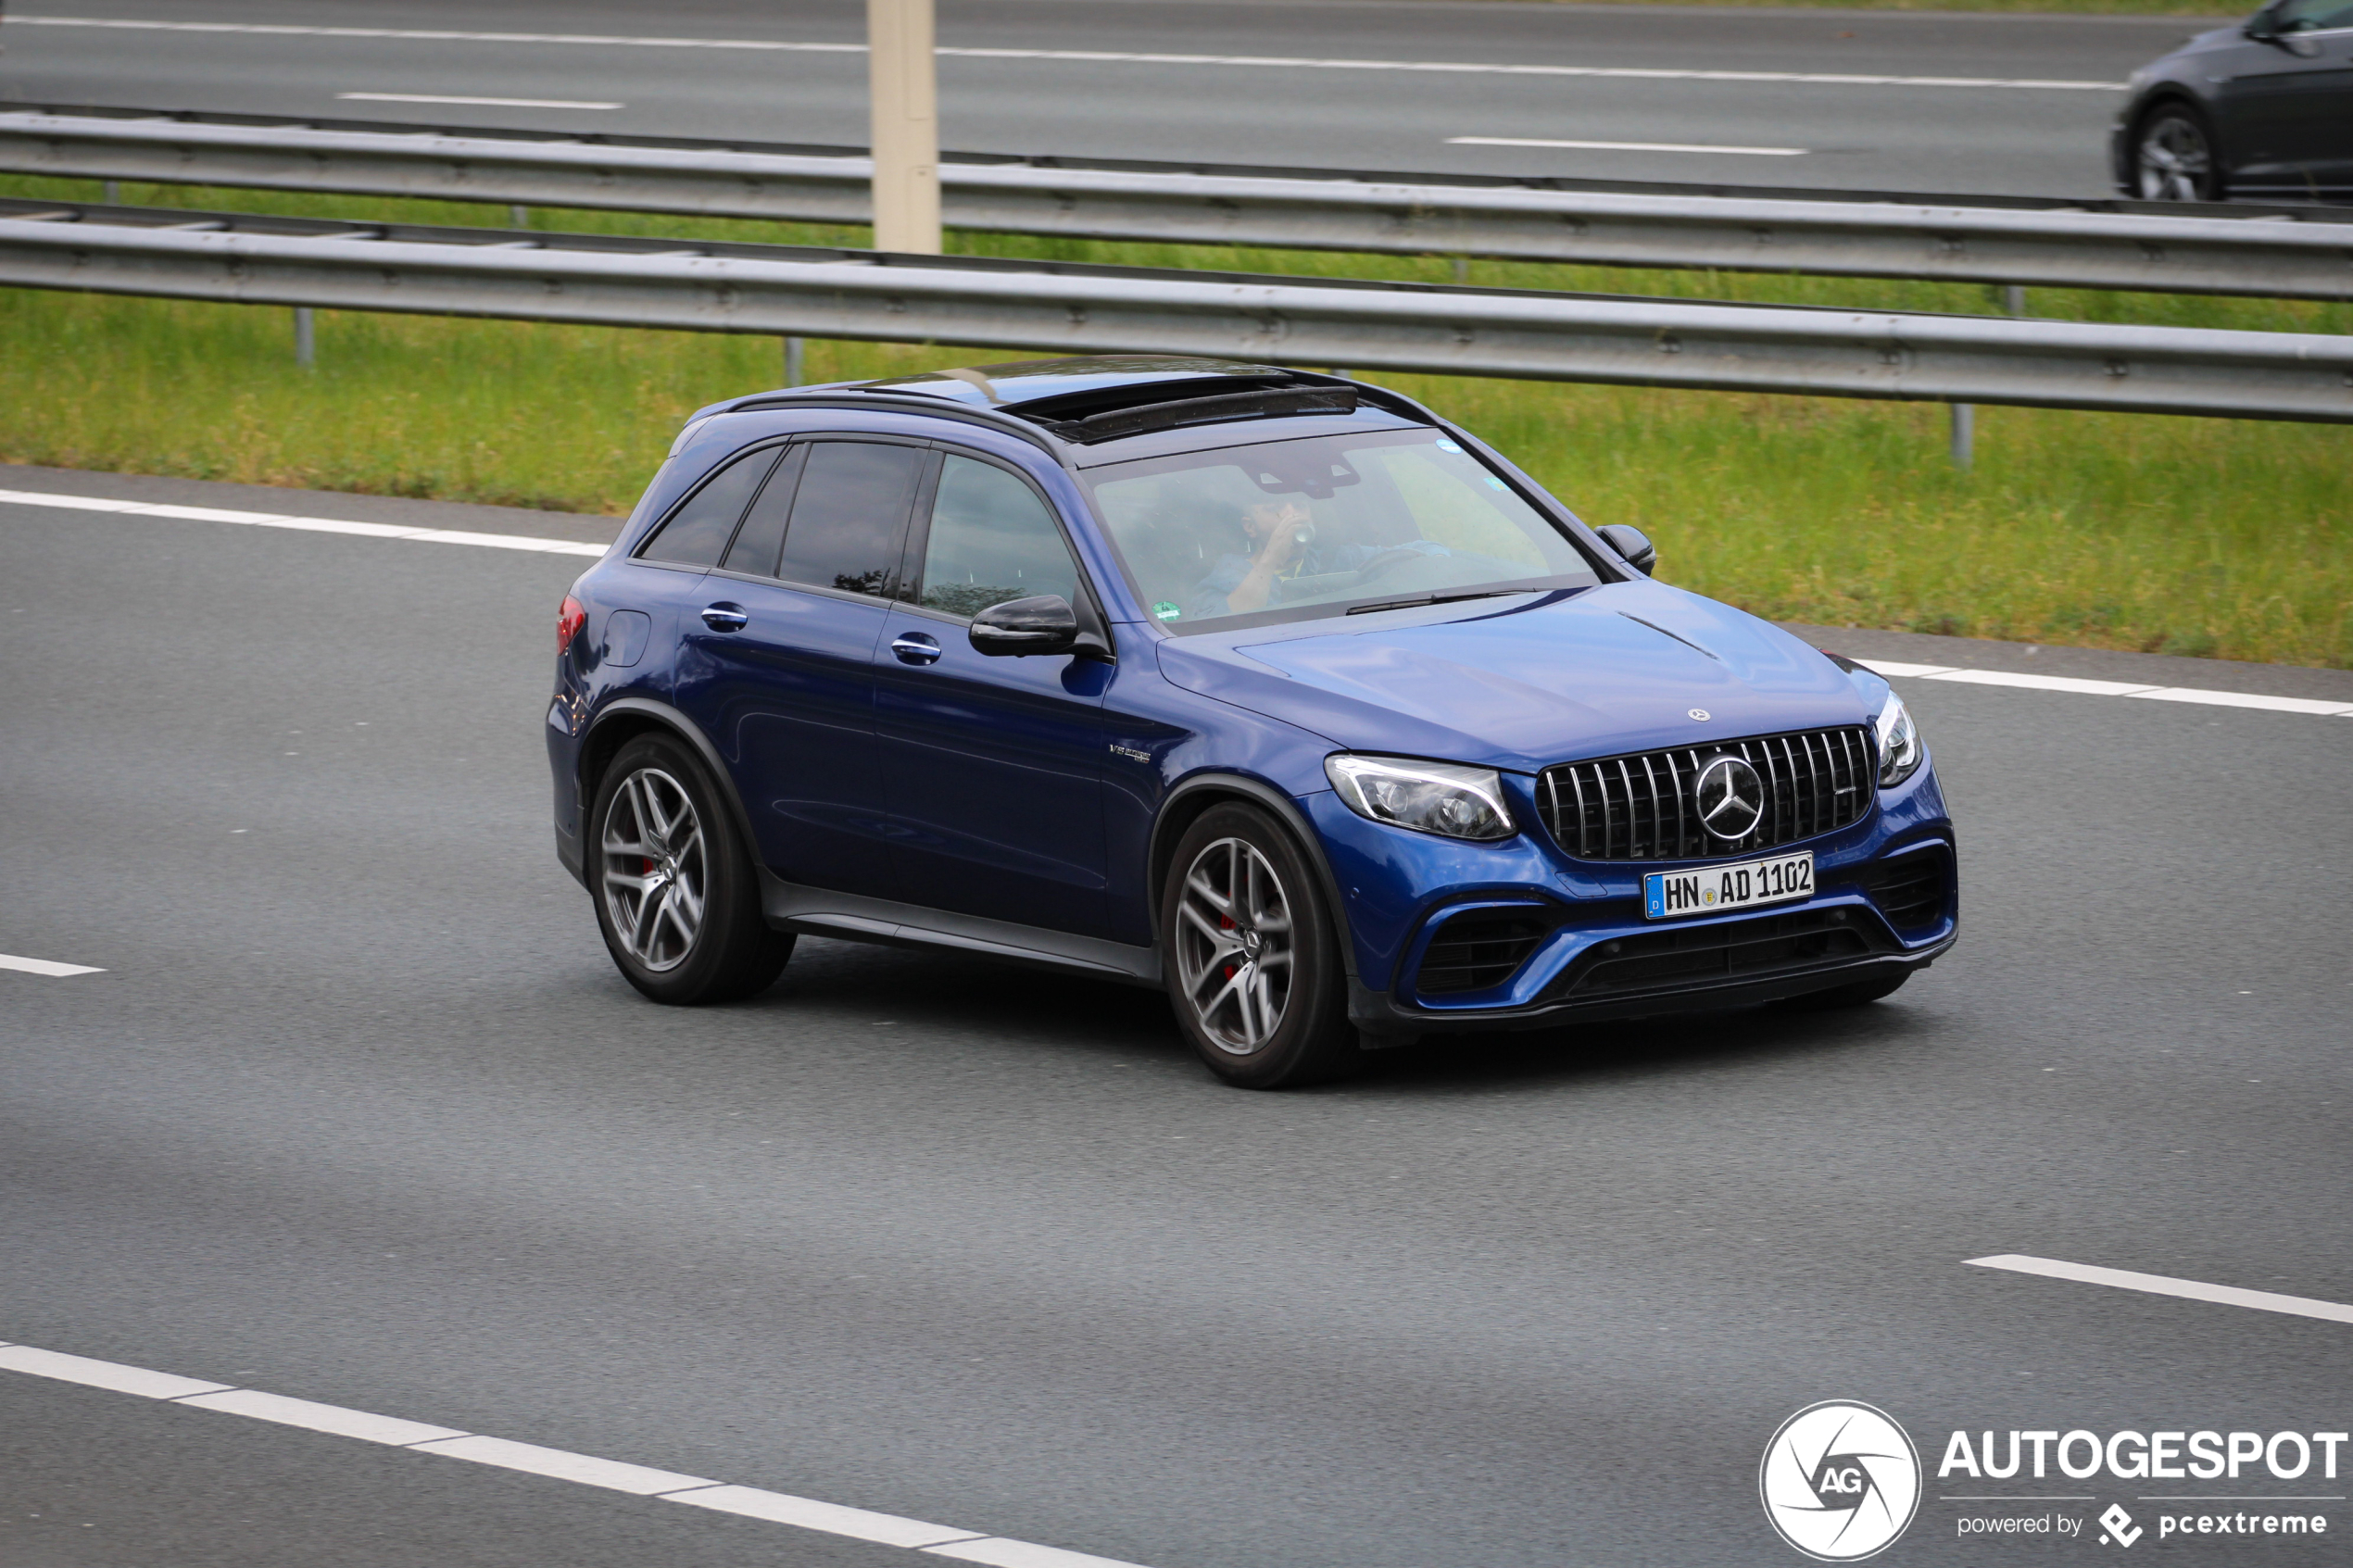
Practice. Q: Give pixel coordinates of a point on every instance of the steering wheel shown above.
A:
(1387, 562)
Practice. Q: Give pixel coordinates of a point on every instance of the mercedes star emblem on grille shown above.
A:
(1731, 798)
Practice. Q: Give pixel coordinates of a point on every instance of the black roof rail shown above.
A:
(1307, 392)
(901, 402)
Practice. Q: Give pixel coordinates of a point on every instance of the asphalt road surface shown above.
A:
(358, 1112)
(1990, 104)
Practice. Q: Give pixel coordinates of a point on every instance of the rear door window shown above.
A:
(992, 539)
(850, 516)
(698, 532)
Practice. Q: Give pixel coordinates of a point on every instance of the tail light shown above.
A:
(568, 620)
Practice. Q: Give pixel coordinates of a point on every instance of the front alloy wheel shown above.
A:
(1252, 955)
(1234, 947)
(2173, 159)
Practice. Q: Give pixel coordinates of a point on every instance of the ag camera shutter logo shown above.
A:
(1840, 1481)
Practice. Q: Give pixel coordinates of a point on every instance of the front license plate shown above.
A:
(1672, 894)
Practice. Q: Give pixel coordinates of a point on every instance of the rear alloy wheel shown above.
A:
(2174, 159)
(676, 898)
(1252, 955)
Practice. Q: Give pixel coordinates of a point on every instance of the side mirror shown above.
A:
(1632, 543)
(1044, 624)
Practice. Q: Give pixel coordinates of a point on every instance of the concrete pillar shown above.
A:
(905, 97)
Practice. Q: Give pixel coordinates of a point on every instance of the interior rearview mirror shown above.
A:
(1632, 543)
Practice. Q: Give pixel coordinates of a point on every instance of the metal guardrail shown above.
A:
(1027, 306)
(2278, 253)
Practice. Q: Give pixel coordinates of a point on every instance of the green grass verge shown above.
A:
(2201, 536)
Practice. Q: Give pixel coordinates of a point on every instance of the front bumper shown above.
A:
(1452, 936)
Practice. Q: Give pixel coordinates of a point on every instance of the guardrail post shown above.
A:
(110, 191)
(792, 361)
(306, 343)
(902, 80)
(1965, 414)
(518, 215)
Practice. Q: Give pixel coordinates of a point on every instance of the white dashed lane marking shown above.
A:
(2164, 1284)
(487, 103)
(54, 970)
(1624, 146)
(585, 1470)
(1278, 62)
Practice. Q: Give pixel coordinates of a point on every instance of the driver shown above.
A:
(1240, 583)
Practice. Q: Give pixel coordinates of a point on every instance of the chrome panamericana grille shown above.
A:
(1646, 807)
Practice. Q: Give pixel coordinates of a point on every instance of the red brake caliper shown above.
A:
(1226, 922)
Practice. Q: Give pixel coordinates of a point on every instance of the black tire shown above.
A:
(2175, 157)
(683, 923)
(1257, 1022)
(1862, 993)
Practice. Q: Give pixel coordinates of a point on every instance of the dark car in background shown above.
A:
(1270, 688)
(2264, 110)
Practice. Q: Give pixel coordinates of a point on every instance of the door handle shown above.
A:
(913, 648)
(725, 617)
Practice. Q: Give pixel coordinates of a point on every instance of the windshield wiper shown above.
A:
(1418, 601)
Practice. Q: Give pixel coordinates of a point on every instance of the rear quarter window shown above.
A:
(698, 532)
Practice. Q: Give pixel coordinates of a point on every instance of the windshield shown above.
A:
(1325, 525)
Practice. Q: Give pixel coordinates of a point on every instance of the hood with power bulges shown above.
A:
(1524, 683)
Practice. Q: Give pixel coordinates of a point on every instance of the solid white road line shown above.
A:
(307, 524)
(312, 1416)
(1104, 55)
(45, 966)
(861, 1523)
(492, 103)
(1624, 146)
(557, 1464)
(1889, 667)
(102, 1375)
(586, 1470)
(2318, 706)
(2164, 1285)
(1002, 1553)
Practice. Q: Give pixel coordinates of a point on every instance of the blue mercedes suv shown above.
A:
(1270, 688)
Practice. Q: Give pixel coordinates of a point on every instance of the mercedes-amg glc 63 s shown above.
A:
(1270, 688)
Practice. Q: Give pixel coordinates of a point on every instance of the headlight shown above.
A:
(1899, 744)
(1440, 797)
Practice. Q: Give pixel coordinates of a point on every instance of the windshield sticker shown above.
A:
(1446, 446)
(1166, 610)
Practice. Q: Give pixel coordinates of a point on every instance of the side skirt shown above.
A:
(851, 917)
